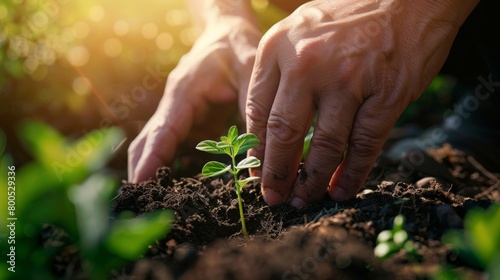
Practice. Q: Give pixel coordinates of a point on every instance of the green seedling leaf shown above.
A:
(399, 223)
(232, 134)
(384, 250)
(129, 238)
(245, 142)
(226, 148)
(400, 237)
(214, 168)
(210, 147)
(223, 145)
(411, 251)
(384, 236)
(249, 162)
(247, 180)
(232, 145)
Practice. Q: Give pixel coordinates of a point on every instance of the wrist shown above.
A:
(453, 12)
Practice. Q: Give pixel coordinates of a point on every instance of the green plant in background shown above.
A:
(232, 145)
(479, 243)
(65, 187)
(392, 241)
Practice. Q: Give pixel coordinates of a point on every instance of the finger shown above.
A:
(164, 135)
(331, 133)
(287, 125)
(134, 155)
(262, 89)
(371, 127)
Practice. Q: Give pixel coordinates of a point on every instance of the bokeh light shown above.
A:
(176, 17)
(113, 47)
(81, 29)
(81, 85)
(78, 56)
(149, 30)
(164, 41)
(121, 28)
(30, 65)
(96, 13)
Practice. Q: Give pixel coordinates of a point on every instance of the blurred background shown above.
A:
(83, 65)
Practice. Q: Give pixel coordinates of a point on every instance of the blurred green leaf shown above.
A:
(97, 147)
(91, 200)
(399, 223)
(385, 249)
(458, 241)
(384, 236)
(483, 227)
(45, 143)
(58, 164)
(130, 238)
(400, 237)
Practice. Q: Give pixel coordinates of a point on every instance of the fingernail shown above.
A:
(271, 197)
(298, 202)
(339, 194)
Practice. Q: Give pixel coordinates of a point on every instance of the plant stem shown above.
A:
(238, 191)
(240, 206)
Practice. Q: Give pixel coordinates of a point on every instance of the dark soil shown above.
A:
(327, 240)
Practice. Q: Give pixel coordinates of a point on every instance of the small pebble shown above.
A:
(424, 182)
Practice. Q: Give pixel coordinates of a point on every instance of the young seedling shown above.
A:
(231, 145)
(392, 241)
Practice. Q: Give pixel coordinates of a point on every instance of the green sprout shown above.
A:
(392, 241)
(478, 244)
(231, 145)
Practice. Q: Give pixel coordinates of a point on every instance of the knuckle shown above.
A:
(255, 113)
(327, 142)
(307, 57)
(283, 130)
(271, 38)
(365, 144)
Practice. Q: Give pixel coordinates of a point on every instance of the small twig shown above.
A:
(488, 190)
(483, 170)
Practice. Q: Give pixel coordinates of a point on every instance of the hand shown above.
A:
(357, 65)
(200, 96)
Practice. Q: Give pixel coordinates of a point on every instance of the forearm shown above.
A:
(204, 12)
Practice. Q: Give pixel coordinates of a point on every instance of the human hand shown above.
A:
(200, 96)
(357, 65)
